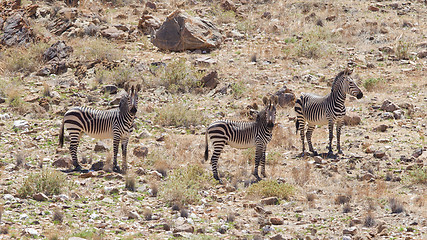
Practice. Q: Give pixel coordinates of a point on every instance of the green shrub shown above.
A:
(308, 49)
(178, 76)
(24, 60)
(419, 175)
(402, 50)
(270, 188)
(47, 181)
(182, 186)
(179, 115)
(92, 49)
(238, 89)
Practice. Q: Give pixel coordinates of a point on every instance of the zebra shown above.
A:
(321, 110)
(113, 124)
(242, 134)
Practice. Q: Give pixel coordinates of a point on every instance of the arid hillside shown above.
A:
(218, 62)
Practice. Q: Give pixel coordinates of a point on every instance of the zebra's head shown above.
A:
(347, 83)
(270, 110)
(132, 97)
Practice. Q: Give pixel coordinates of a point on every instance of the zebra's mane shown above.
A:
(123, 105)
(340, 76)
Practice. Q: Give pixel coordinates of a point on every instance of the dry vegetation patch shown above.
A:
(270, 188)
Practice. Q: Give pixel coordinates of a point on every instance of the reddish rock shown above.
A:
(40, 197)
(351, 119)
(373, 8)
(270, 201)
(140, 151)
(276, 221)
(62, 163)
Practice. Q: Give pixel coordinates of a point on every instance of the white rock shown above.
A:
(23, 216)
(31, 231)
(9, 197)
(21, 124)
(4, 116)
(94, 216)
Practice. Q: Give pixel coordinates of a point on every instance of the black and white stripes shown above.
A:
(113, 124)
(321, 110)
(239, 134)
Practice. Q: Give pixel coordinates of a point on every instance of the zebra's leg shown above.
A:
(302, 133)
(116, 142)
(263, 163)
(309, 133)
(259, 154)
(124, 155)
(339, 126)
(331, 136)
(218, 146)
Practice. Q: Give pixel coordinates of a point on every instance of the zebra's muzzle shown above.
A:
(270, 124)
(359, 96)
(133, 110)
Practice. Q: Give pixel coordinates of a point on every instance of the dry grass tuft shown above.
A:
(311, 197)
(395, 205)
(346, 208)
(301, 175)
(374, 84)
(19, 159)
(1, 211)
(148, 214)
(4, 229)
(270, 188)
(178, 115)
(419, 175)
(91, 49)
(154, 189)
(183, 184)
(231, 217)
(47, 92)
(342, 199)
(369, 220)
(47, 181)
(23, 60)
(283, 137)
(130, 182)
(183, 213)
(108, 165)
(58, 216)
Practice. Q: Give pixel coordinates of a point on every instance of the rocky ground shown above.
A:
(54, 56)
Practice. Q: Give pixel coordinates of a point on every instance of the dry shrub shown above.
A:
(231, 217)
(148, 214)
(91, 49)
(183, 184)
(154, 189)
(1, 211)
(346, 208)
(369, 220)
(4, 229)
(47, 92)
(311, 197)
(108, 166)
(374, 84)
(270, 188)
(47, 181)
(342, 199)
(419, 175)
(183, 213)
(179, 115)
(19, 159)
(23, 60)
(395, 205)
(301, 174)
(283, 137)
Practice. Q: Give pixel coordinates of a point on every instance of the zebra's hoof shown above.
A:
(340, 152)
(303, 154)
(315, 153)
(117, 169)
(330, 154)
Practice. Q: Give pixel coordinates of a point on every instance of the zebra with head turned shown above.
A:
(241, 134)
(321, 110)
(113, 124)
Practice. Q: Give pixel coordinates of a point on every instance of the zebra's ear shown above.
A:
(265, 100)
(348, 71)
(138, 87)
(275, 99)
(126, 86)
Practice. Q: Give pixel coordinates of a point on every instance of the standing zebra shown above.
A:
(318, 110)
(113, 124)
(240, 134)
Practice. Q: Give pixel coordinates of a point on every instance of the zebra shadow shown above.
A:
(324, 155)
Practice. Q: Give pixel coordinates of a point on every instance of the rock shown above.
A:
(398, 114)
(40, 197)
(2, 100)
(389, 106)
(318, 159)
(270, 201)
(234, 34)
(184, 228)
(148, 24)
(111, 89)
(379, 154)
(386, 49)
(223, 229)
(4, 116)
(368, 177)
(151, 5)
(210, 81)
(54, 68)
(88, 174)
(62, 163)
(228, 5)
(205, 62)
(97, 166)
(140, 151)
(20, 125)
(286, 97)
(422, 54)
(346, 238)
(16, 31)
(181, 32)
(276, 221)
(381, 128)
(387, 115)
(350, 231)
(331, 18)
(373, 8)
(9, 197)
(58, 51)
(31, 232)
(113, 33)
(266, 15)
(133, 215)
(417, 153)
(277, 237)
(351, 119)
(100, 146)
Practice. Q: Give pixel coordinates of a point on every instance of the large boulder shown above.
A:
(286, 97)
(16, 31)
(181, 32)
(58, 51)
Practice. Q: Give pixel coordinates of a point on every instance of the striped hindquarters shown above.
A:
(95, 123)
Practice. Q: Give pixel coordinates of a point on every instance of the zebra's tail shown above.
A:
(206, 146)
(61, 135)
(298, 108)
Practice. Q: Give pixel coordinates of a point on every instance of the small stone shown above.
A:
(381, 128)
(40, 197)
(368, 177)
(97, 166)
(277, 237)
(387, 115)
(140, 151)
(276, 221)
(9, 197)
(76, 238)
(100, 146)
(398, 114)
(422, 54)
(62, 163)
(88, 175)
(373, 8)
(184, 228)
(31, 232)
(417, 153)
(111, 89)
(355, 221)
(379, 154)
(346, 238)
(389, 106)
(133, 215)
(350, 231)
(4, 116)
(318, 159)
(351, 119)
(270, 201)
(223, 229)
(21, 124)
